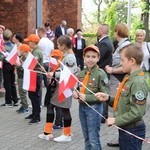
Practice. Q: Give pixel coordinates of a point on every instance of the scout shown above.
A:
(35, 97)
(24, 49)
(129, 103)
(96, 80)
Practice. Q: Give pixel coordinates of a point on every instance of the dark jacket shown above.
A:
(58, 32)
(106, 49)
(79, 53)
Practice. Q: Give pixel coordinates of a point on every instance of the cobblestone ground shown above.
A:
(16, 134)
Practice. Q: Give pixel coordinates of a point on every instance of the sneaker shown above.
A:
(46, 137)
(15, 104)
(7, 105)
(57, 127)
(23, 110)
(34, 120)
(29, 117)
(62, 138)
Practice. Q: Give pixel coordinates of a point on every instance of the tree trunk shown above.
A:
(145, 19)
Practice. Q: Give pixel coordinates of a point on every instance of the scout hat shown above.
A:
(91, 48)
(7, 33)
(2, 27)
(32, 38)
(24, 48)
(57, 53)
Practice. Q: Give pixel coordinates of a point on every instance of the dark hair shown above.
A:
(19, 37)
(65, 40)
(78, 30)
(47, 24)
(133, 51)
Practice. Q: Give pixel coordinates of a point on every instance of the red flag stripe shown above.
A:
(33, 79)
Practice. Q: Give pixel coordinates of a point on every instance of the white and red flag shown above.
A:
(53, 63)
(12, 56)
(29, 80)
(66, 83)
(1, 64)
(30, 62)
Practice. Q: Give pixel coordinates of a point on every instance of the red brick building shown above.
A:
(26, 15)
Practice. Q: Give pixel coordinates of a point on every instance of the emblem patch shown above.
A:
(106, 81)
(139, 95)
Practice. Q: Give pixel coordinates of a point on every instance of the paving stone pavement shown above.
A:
(16, 134)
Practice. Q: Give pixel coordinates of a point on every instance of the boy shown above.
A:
(130, 101)
(35, 97)
(96, 80)
(24, 49)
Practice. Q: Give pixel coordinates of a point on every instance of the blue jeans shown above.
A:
(90, 123)
(129, 142)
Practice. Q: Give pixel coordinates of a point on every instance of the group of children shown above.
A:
(129, 103)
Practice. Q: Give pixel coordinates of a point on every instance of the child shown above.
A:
(130, 101)
(96, 80)
(35, 97)
(58, 55)
(23, 51)
(65, 45)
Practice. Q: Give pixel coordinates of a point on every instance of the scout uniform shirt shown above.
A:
(132, 101)
(98, 82)
(37, 53)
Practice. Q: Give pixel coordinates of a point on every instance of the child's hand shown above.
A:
(49, 75)
(110, 121)
(82, 97)
(102, 96)
(108, 69)
(75, 95)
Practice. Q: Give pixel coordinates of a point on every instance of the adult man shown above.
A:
(46, 46)
(79, 46)
(61, 29)
(105, 46)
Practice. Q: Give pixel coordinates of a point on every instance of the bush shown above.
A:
(90, 38)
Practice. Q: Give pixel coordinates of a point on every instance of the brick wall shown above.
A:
(20, 15)
(69, 10)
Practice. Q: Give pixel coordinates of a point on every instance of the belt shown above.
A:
(134, 124)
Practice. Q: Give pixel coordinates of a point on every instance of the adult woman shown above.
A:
(139, 38)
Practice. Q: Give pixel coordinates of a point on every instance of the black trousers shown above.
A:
(35, 98)
(65, 115)
(9, 84)
(46, 67)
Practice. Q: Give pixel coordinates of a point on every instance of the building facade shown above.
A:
(25, 16)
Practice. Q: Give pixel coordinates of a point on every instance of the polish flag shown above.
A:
(65, 94)
(53, 63)
(12, 56)
(29, 80)
(1, 64)
(67, 81)
(30, 62)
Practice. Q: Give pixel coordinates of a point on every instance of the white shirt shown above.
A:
(79, 44)
(146, 57)
(63, 30)
(46, 46)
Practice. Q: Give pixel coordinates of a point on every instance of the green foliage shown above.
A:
(111, 18)
(89, 34)
(90, 40)
(136, 24)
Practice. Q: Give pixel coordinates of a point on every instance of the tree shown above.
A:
(111, 18)
(145, 16)
(98, 3)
